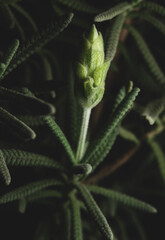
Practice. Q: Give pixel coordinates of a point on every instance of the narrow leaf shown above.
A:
(113, 12)
(39, 41)
(44, 194)
(119, 98)
(152, 110)
(76, 218)
(16, 125)
(158, 24)
(33, 121)
(33, 104)
(128, 135)
(147, 55)
(122, 198)
(113, 37)
(98, 147)
(4, 172)
(27, 190)
(61, 137)
(154, 7)
(95, 212)
(79, 6)
(15, 157)
(9, 55)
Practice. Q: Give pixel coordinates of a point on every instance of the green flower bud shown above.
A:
(92, 69)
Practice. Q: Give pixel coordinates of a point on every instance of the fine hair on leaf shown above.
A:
(112, 12)
(122, 198)
(95, 212)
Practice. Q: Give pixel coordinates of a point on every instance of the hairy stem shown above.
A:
(83, 134)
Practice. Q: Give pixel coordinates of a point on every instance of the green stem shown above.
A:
(83, 134)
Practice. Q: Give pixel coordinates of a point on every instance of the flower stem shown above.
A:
(83, 134)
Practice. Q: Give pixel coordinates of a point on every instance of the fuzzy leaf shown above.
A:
(113, 37)
(36, 105)
(79, 6)
(122, 198)
(44, 194)
(148, 57)
(99, 148)
(16, 125)
(32, 120)
(39, 41)
(112, 12)
(9, 56)
(19, 158)
(76, 218)
(126, 134)
(119, 98)
(154, 7)
(4, 172)
(137, 223)
(56, 130)
(95, 212)
(27, 190)
(158, 24)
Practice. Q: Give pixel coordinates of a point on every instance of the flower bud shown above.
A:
(92, 69)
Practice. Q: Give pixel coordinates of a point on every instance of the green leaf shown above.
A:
(113, 12)
(4, 172)
(158, 24)
(119, 98)
(68, 221)
(122, 198)
(19, 158)
(100, 147)
(31, 120)
(27, 190)
(44, 194)
(154, 7)
(147, 55)
(76, 218)
(56, 130)
(95, 212)
(39, 41)
(16, 125)
(160, 157)
(9, 56)
(128, 135)
(112, 39)
(33, 104)
(152, 110)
